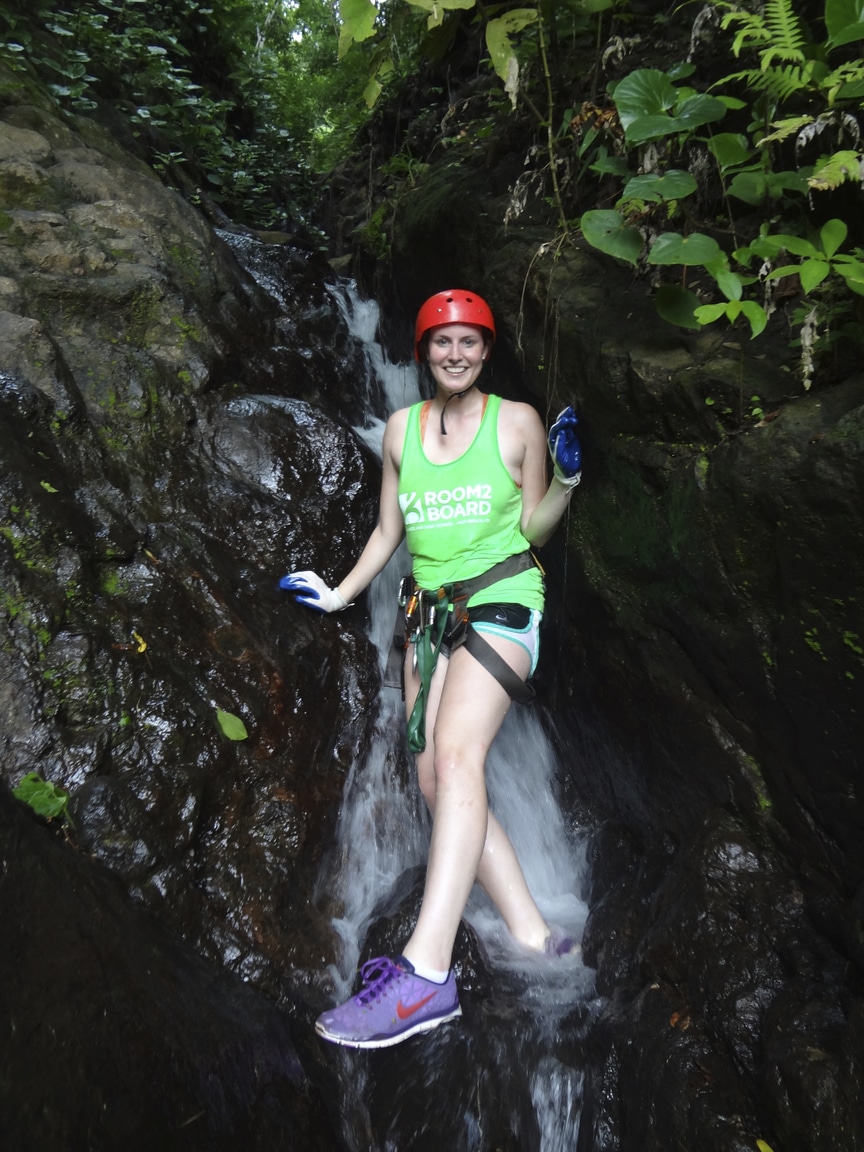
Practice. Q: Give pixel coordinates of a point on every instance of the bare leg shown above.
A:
(465, 711)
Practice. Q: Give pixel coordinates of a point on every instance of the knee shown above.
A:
(455, 767)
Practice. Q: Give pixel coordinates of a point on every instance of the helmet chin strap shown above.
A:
(454, 396)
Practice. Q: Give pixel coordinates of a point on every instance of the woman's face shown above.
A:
(456, 355)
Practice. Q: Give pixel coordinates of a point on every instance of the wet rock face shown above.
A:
(163, 464)
(96, 997)
(734, 998)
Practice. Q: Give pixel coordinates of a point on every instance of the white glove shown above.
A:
(311, 590)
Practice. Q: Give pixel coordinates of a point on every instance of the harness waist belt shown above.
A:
(427, 615)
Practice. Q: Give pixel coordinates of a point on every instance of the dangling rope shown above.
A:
(427, 646)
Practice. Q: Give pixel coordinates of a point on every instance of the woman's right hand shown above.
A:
(310, 589)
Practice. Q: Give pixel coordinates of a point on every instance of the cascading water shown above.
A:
(383, 830)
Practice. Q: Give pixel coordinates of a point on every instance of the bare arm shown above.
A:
(543, 503)
(390, 529)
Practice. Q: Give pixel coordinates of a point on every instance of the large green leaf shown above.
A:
(756, 315)
(758, 187)
(844, 20)
(672, 185)
(751, 187)
(729, 149)
(43, 797)
(232, 726)
(698, 110)
(832, 235)
(677, 305)
(778, 242)
(648, 128)
(812, 273)
(437, 8)
(356, 22)
(646, 97)
(853, 273)
(673, 248)
(708, 313)
(606, 229)
(645, 92)
(498, 33)
(730, 284)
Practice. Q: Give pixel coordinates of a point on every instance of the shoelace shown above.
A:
(376, 975)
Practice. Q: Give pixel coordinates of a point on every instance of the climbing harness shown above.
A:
(432, 614)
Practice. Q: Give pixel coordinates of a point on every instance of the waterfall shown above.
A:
(383, 828)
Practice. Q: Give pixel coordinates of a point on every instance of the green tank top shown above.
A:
(463, 517)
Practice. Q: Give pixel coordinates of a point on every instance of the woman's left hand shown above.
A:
(565, 448)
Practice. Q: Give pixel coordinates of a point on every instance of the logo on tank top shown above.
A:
(465, 502)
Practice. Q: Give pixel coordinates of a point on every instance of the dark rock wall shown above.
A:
(707, 630)
(165, 457)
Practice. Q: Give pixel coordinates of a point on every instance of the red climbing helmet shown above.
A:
(453, 307)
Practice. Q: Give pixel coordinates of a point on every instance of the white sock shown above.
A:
(431, 974)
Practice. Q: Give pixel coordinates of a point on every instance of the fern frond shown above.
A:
(832, 171)
(785, 27)
(776, 52)
(785, 82)
(779, 83)
(784, 129)
(752, 33)
(852, 72)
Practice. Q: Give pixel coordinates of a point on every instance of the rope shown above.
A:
(427, 645)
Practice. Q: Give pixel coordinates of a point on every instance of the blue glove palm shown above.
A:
(310, 590)
(565, 448)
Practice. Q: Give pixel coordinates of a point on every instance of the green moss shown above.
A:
(111, 582)
(16, 609)
(810, 640)
(187, 329)
(373, 236)
(142, 314)
(757, 780)
(28, 551)
(186, 262)
(849, 639)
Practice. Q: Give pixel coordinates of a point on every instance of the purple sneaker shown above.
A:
(558, 943)
(394, 1005)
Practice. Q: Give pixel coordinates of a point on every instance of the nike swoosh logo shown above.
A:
(404, 1013)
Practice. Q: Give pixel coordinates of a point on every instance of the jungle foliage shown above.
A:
(242, 99)
(718, 186)
(715, 185)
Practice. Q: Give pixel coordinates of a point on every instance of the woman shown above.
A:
(464, 480)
